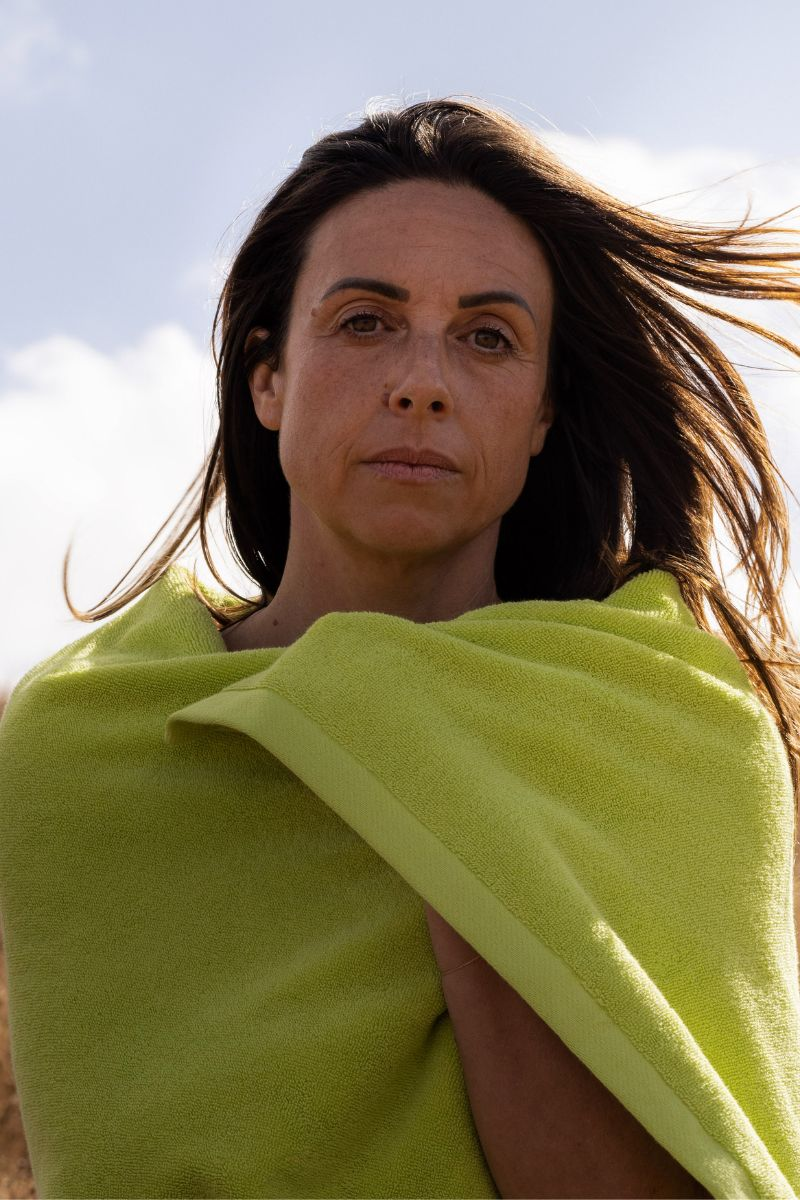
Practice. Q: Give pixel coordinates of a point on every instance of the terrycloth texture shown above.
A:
(212, 867)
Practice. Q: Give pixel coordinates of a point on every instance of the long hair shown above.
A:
(654, 425)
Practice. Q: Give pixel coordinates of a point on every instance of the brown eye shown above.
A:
(507, 347)
(359, 316)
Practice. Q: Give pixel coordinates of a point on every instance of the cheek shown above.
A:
(316, 445)
(328, 413)
(508, 460)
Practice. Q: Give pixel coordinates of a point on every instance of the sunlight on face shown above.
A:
(464, 370)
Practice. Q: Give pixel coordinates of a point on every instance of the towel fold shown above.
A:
(213, 865)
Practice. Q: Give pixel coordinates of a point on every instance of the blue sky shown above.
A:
(140, 140)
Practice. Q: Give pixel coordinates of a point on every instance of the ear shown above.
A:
(268, 406)
(545, 418)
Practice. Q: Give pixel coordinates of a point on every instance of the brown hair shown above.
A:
(653, 421)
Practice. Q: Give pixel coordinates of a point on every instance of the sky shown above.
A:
(140, 141)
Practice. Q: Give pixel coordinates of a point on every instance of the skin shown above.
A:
(423, 372)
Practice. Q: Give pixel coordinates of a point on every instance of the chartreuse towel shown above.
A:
(213, 865)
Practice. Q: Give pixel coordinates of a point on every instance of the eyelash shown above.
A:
(509, 348)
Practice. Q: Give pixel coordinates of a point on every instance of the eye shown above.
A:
(359, 316)
(498, 353)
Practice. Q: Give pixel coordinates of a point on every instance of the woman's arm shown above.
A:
(547, 1125)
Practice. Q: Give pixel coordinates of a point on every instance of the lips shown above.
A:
(414, 456)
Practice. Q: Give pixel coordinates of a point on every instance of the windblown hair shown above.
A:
(653, 421)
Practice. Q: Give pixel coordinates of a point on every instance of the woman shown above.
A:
(469, 446)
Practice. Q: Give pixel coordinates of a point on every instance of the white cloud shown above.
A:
(36, 58)
(100, 447)
(705, 183)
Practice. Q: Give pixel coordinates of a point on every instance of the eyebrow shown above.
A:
(394, 292)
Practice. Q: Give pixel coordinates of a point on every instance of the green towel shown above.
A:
(213, 865)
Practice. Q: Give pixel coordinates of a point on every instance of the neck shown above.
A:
(436, 592)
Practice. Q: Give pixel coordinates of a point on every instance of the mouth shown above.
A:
(412, 472)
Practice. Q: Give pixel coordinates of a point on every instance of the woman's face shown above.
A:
(465, 375)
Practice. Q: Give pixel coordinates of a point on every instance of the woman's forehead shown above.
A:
(430, 211)
(417, 230)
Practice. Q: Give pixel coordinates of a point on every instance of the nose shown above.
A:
(419, 380)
